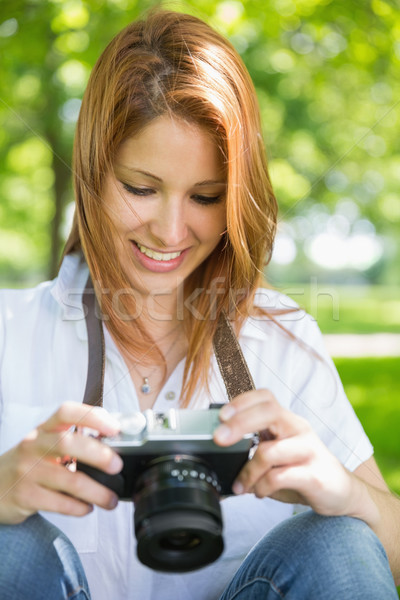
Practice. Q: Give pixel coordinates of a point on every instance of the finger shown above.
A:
(79, 485)
(245, 401)
(262, 413)
(40, 498)
(83, 448)
(72, 413)
(271, 455)
(295, 478)
(237, 416)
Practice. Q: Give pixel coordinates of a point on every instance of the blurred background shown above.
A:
(327, 78)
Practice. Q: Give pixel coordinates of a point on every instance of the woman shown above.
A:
(175, 217)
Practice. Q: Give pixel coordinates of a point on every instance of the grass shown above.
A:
(372, 386)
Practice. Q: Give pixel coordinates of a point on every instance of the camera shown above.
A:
(175, 474)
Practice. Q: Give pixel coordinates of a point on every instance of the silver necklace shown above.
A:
(145, 388)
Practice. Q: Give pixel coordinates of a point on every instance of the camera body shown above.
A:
(150, 436)
(175, 474)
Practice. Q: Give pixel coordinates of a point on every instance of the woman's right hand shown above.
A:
(33, 475)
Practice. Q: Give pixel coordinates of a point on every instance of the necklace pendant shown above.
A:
(146, 389)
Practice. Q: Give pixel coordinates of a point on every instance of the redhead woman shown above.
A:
(175, 220)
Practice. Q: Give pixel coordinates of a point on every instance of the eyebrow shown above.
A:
(148, 174)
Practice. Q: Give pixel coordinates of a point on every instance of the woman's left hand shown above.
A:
(295, 466)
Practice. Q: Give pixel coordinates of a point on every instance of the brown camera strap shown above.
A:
(230, 359)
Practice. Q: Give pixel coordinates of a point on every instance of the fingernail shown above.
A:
(116, 464)
(113, 502)
(237, 488)
(223, 433)
(226, 412)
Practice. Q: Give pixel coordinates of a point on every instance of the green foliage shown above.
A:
(326, 73)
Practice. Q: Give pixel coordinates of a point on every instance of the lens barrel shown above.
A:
(178, 521)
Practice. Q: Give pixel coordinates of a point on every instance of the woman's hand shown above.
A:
(294, 466)
(33, 476)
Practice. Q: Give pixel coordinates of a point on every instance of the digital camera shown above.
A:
(175, 474)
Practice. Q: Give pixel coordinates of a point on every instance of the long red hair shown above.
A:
(174, 63)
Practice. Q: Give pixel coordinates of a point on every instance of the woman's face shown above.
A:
(167, 203)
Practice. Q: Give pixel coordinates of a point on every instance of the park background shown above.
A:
(327, 79)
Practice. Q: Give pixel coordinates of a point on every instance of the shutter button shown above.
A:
(170, 395)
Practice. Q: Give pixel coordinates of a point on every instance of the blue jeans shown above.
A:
(307, 557)
(38, 562)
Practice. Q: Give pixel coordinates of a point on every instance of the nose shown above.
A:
(169, 225)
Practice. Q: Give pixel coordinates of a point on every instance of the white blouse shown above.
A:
(43, 363)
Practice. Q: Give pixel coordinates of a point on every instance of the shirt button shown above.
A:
(170, 395)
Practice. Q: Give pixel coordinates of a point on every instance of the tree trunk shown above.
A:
(62, 175)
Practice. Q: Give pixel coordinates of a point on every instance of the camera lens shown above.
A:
(180, 540)
(178, 522)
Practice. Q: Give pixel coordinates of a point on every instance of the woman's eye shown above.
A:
(206, 199)
(138, 191)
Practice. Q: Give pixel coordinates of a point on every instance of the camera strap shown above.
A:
(96, 348)
(232, 364)
(230, 359)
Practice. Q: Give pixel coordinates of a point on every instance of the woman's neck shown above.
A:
(149, 375)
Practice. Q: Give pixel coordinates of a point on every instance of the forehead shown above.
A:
(168, 144)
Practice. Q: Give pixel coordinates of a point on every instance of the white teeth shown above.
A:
(158, 255)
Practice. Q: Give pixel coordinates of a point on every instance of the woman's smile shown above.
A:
(164, 256)
(157, 261)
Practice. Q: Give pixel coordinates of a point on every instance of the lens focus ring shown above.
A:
(178, 522)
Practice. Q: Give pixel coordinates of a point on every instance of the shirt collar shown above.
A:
(276, 304)
(67, 288)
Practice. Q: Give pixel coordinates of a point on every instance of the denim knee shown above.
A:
(311, 557)
(38, 561)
